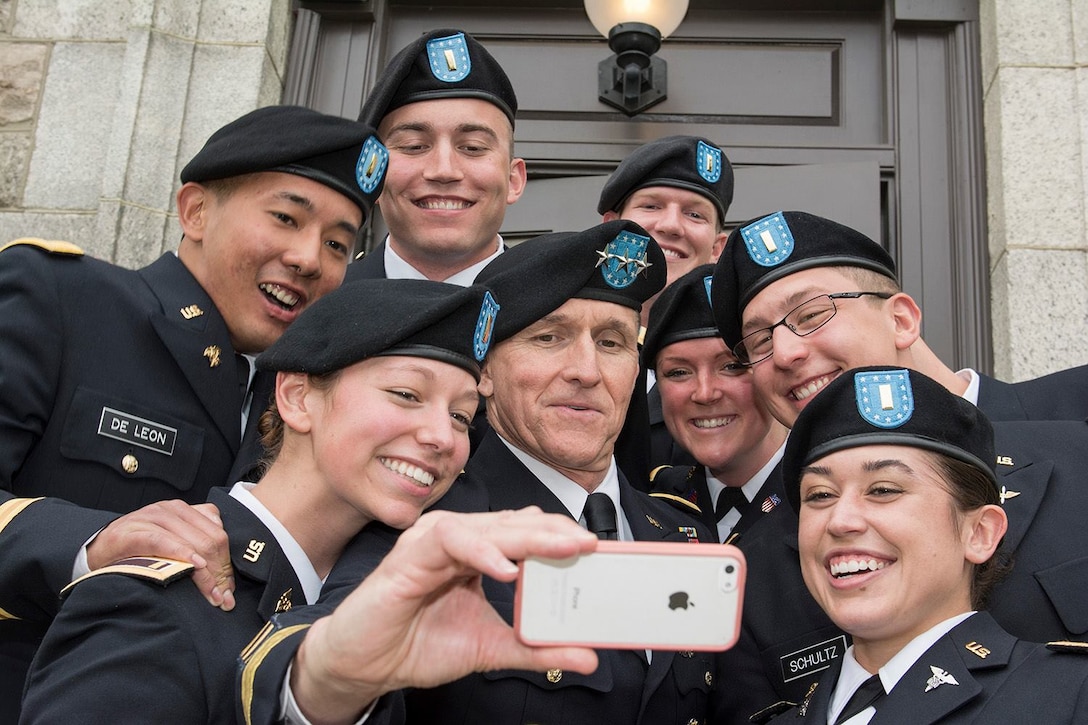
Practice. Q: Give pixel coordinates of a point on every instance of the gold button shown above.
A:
(693, 721)
(555, 675)
(709, 679)
(129, 463)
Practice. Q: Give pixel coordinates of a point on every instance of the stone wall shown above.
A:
(102, 102)
(1035, 91)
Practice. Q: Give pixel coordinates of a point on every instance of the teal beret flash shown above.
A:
(444, 63)
(765, 250)
(615, 262)
(887, 406)
(682, 312)
(367, 318)
(683, 162)
(342, 154)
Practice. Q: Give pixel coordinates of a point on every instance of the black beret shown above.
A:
(884, 405)
(765, 250)
(366, 318)
(342, 154)
(682, 312)
(617, 261)
(444, 63)
(684, 162)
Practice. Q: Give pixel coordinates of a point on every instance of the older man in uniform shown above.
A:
(557, 386)
(802, 299)
(445, 108)
(122, 388)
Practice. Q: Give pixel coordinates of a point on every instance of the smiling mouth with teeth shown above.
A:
(285, 298)
(855, 566)
(443, 204)
(807, 390)
(713, 422)
(417, 474)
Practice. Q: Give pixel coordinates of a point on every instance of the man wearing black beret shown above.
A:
(124, 388)
(802, 299)
(557, 381)
(679, 189)
(445, 108)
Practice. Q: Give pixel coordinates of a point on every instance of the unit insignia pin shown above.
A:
(653, 522)
(1006, 494)
(940, 677)
(212, 352)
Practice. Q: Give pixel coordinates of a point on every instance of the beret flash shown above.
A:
(342, 154)
(367, 318)
(762, 251)
(683, 162)
(443, 63)
(682, 312)
(617, 261)
(887, 406)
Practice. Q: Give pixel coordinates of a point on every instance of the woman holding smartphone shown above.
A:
(374, 396)
(900, 525)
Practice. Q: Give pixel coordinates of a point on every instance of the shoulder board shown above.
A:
(51, 246)
(659, 469)
(1075, 647)
(148, 568)
(674, 499)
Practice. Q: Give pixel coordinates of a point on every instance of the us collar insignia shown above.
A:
(885, 399)
(769, 241)
(940, 677)
(624, 259)
(371, 166)
(709, 161)
(485, 325)
(449, 58)
(191, 311)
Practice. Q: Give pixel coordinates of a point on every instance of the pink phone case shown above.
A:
(634, 595)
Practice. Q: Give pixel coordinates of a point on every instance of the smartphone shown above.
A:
(634, 595)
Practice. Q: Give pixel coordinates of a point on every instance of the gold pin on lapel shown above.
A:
(191, 311)
(653, 522)
(977, 649)
(283, 604)
(1004, 460)
(212, 352)
(253, 551)
(1006, 494)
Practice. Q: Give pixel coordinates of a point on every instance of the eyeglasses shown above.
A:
(804, 319)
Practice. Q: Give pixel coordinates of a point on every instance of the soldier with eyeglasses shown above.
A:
(801, 300)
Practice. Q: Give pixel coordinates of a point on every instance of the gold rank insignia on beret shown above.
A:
(148, 568)
(51, 246)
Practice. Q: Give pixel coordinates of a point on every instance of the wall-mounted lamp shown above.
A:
(633, 79)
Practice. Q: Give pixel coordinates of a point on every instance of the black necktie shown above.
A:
(867, 694)
(242, 363)
(600, 516)
(730, 497)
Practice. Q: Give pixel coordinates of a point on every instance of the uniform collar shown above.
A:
(397, 268)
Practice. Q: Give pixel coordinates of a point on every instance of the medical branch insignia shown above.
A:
(485, 326)
(709, 161)
(449, 58)
(885, 399)
(624, 259)
(940, 677)
(371, 166)
(769, 240)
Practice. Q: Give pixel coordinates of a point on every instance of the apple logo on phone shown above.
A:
(679, 600)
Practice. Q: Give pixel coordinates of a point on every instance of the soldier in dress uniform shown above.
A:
(900, 529)
(711, 411)
(445, 108)
(121, 388)
(803, 299)
(374, 395)
(679, 189)
(557, 384)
